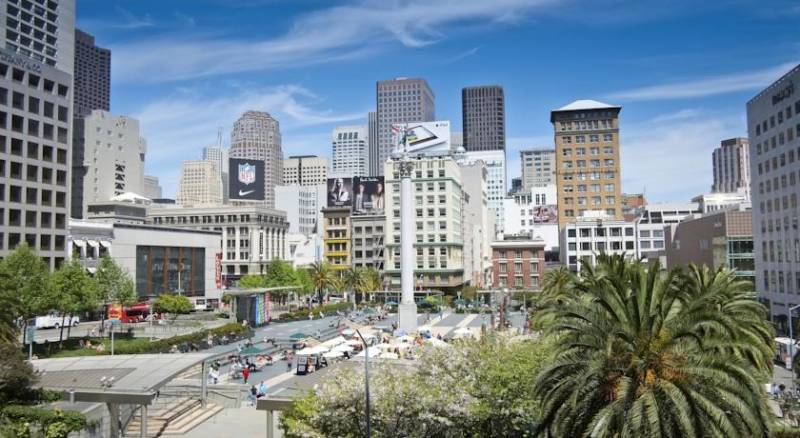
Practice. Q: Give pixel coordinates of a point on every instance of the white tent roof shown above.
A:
(330, 343)
(585, 104)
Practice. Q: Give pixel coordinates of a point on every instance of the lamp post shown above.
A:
(791, 337)
(366, 383)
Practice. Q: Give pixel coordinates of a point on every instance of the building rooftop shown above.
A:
(586, 104)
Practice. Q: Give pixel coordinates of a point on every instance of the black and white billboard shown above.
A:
(340, 192)
(245, 179)
(368, 195)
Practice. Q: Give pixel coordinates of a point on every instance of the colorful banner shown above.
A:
(218, 269)
(114, 312)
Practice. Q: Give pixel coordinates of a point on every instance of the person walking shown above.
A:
(253, 395)
(245, 373)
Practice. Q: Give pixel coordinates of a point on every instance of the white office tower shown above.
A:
(257, 136)
(732, 167)
(534, 213)
(199, 184)
(108, 159)
(538, 167)
(305, 170)
(36, 70)
(773, 126)
(152, 188)
(350, 151)
(303, 206)
(219, 154)
(495, 162)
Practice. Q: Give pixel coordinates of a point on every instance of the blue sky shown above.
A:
(682, 70)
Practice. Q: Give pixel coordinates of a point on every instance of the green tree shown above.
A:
(640, 353)
(322, 277)
(173, 305)
(370, 282)
(25, 283)
(114, 284)
(252, 281)
(76, 292)
(352, 279)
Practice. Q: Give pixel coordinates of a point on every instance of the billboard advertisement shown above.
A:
(368, 195)
(545, 214)
(245, 179)
(422, 138)
(340, 192)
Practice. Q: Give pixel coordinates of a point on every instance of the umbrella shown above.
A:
(249, 351)
(333, 354)
(348, 332)
(343, 348)
(389, 356)
(352, 342)
(299, 335)
(405, 338)
(368, 311)
(437, 342)
(462, 331)
(391, 303)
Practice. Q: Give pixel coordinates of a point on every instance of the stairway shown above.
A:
(172, 416)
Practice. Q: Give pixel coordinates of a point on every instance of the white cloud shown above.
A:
(178, 126)
(669, 156)
(127, 21)
(320, 36)
(709, 86)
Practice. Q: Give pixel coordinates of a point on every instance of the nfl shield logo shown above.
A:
(247, 173)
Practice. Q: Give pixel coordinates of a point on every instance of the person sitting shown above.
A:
(262, 389)
(251, 366)
(100, 348)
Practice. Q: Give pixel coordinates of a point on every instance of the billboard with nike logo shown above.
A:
(245, 179)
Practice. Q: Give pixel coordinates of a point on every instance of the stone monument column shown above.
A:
(407, 310)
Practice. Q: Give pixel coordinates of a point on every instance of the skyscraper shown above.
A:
(538, 167)
(257, 136)
(219, 154)
(36, 67)
(92, 75)
(483, 112)
(732, 167)
(107, 159)
(587, 158)
(152, 189)
(199, 185)
(372, 146)
(305, 170)
(350, 151)
(773, 126)
(400, 100)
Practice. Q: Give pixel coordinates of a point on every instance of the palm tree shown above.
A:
(352, 279)
(322, 276)
(370, 282)
(640, 353)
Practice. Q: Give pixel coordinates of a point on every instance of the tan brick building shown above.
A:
(336, 237)
(587, 159)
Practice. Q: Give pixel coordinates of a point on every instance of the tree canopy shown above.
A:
(114, 284)
(173, 304)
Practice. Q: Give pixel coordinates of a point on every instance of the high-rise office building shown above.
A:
(36, 67)
(219, 154)
(372, 143)
(199, 185)
(152, 188)
(773, 126)
(257, 136)
(107, 159)
(305, 170)
(538, 168)
(495, 163)
(92, 75)
(587, 160)
(303, 206)
(732, 166)
(483, 111)
(350, 151)
(400, 100)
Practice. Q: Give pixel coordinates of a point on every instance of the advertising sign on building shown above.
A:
(340, 192)
(545, 214)
(368, 195)
(246, 179)
(218, 269)
(422, 138)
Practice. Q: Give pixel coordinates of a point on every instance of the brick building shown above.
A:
(518, 262)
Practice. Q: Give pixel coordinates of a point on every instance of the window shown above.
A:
(608, 137)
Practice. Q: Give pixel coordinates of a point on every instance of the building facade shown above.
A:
(257, 136)
(773, 126)
(587, 159)
(585, 239)
(303, 206)
(720, 239)
(305, 170)
(655, 217)
(478, 221)
(219, 154)
(252, 236)
(517, 263)
(35, 147)
(438, 212)
(368, 241)
(152, 188)
(372, 143)
(400, 100)
(199, 184)
(533, 213)
(350, 151)
(336, 237)
(731, 164)
(483, 113)
(92, 76)
(538, 167)
(711, 202)
(495, 163)
(107, 160)
(41, 31)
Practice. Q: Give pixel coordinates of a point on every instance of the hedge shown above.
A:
(326, 309)
(54, 423)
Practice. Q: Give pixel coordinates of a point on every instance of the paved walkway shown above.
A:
(244, 422)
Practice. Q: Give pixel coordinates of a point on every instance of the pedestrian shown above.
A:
(289, 363)
(262, 389)
(253, 395)
(245, 373)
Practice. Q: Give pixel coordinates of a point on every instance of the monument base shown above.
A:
(407, 317)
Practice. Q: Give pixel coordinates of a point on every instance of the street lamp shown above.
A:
(366, 383)
(791, 336)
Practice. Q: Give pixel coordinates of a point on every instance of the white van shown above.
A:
(54, 320)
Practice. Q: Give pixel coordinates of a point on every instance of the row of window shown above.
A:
(518, 253)
(767, 225)
(581, 176)
(580, 139)
(779, 117)
(584, 125)
(596, 200)
(28, 219)
(34, 80)
(595, 188)
(215, 219)
(775, 281)
(608, 162)
(46, 242)
(602, 246)
(567, 152)
(600, 232)
(581, 212)
(534, 268)
(780, 251)
(34, 105)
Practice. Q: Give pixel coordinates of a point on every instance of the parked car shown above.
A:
(54, 320)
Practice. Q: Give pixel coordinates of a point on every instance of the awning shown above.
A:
(79, 242)
(105, 243)
(92, 243)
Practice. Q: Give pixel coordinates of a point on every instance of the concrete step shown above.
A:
(179, 425)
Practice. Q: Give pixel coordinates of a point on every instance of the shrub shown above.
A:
(174, 304)
(54, 423)
(303, 313)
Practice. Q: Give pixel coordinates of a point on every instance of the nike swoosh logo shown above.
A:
(241, 193)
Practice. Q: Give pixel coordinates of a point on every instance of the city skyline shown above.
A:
(680, 93)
